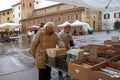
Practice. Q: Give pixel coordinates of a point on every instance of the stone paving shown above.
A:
(17, 64)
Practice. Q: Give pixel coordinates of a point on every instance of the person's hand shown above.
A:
(69, 38)
(62, 46)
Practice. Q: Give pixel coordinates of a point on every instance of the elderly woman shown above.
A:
(66, 36)
(44, 38)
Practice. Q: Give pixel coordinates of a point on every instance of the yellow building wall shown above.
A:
(6, 16)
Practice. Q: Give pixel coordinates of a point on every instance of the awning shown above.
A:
(101, 5)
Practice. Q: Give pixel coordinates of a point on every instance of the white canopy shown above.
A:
(79, 23)
(10, 24)
(62, 25)
(101, 5)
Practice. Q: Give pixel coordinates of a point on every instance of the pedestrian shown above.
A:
(45, 38)
(66, 36)
(74, 30)
(90, 30)
(29, 33)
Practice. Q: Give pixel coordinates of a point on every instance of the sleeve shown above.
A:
(60, 42)
(34, 43)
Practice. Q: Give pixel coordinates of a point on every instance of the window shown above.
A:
(30, 5)
(76, 16)
(37, 2)
(19, 7)
(23, 4)
(58, 18)
(68, 17)
(13, 16)
(106, 16)
(117, 15)
(74, 5)
(44, 10)
(3, 14)
(19, 14)
(8, 19)
(58, 8)
(8, 12)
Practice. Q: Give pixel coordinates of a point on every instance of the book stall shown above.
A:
(89, 62)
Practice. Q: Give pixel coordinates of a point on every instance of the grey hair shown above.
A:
(49, 24)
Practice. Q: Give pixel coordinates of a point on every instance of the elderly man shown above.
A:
(44, 38)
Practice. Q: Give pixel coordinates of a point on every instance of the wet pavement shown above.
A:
(15, 61)
(95, 38)
(17, 64)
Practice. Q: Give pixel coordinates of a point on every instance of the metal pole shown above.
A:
(107, 26)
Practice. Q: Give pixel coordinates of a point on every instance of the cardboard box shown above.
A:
(106, 55)
(112, 49)
(74, 54)
(76, 70)
(108, 42)
(98, 47)
(55, 52)
(115, 38)
(96, 74)
(116, 59)
(80, 72)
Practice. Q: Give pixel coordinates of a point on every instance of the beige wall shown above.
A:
(55, 8)
(27, 7)
(6, 16)
(65, 13)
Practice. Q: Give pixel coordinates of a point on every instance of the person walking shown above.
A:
(45, 38)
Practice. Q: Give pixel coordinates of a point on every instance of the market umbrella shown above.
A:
(33, 27)
(77, 23)
(62, 25)
(10, 24)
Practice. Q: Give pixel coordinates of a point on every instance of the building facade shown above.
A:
(60, 13)
(108, 20)
(27, 7)
(6, 16)
(17, 13)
